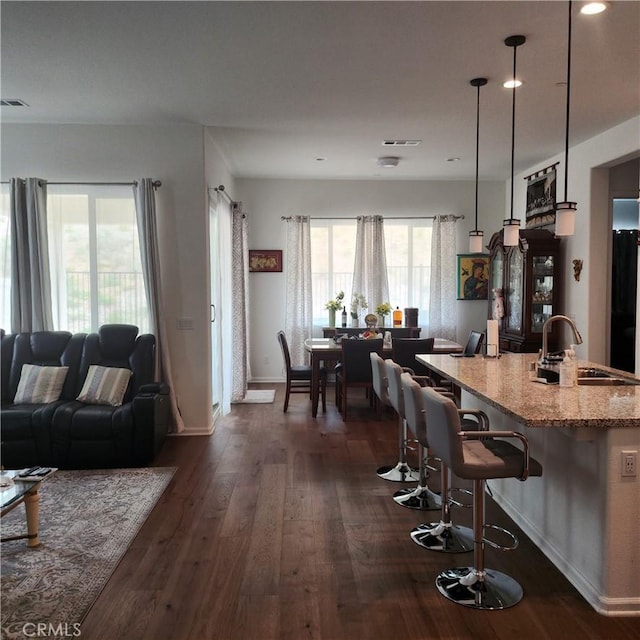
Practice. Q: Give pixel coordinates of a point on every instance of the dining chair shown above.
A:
(355, 369)
(299, 376)
(404, 350)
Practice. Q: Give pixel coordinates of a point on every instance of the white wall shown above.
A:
(175, 156)
(265, 201)
(589, 299)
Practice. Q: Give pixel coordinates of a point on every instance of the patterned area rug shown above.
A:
(88, 519)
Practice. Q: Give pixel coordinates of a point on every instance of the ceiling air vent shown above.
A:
(12, 102)
(401, 143)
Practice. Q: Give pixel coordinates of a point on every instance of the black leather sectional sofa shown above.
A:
(70, 434)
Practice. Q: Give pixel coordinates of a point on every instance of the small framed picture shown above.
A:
(265, 260)
(473, 276)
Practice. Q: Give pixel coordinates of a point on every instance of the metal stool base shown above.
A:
(441, 537)
(492, 590)
(420, 498)
(402, 472)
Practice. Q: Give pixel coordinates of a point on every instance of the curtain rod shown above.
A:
(220, 189)
(155, 183)
(387, 218)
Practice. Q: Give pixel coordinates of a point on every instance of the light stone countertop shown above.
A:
(504, 383)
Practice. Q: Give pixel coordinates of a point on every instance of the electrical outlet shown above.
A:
(629, 464)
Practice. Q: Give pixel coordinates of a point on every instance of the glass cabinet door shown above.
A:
(541, 291)
(514, 291)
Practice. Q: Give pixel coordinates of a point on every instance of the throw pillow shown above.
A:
(105, 385)
(40, 385)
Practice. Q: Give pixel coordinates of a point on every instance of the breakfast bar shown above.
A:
(583, 513)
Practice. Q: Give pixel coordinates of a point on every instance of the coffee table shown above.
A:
(23, 492)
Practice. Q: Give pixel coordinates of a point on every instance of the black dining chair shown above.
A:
(404, 352)
(355, 369)
(299, 376)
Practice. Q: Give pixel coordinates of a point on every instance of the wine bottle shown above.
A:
(344, 316)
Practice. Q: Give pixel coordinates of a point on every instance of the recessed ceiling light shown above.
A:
(320, 159)
(510, 84)
(455, 159)
(401, 143)
(593, 8)
(388, 161)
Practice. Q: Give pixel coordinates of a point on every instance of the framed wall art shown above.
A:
(541, 198)
(269, 260)
(473, 276)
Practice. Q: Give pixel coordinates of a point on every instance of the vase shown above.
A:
(381, 320)
(332, 317)
(355, 322)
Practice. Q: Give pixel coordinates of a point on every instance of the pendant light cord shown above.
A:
(513, 127)
(566, 138)
(477, 149)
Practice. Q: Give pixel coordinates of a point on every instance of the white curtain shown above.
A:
(240, 305)
(298, 321)
(145, 200)
(31, 308)
(443, 312)
(370, 268)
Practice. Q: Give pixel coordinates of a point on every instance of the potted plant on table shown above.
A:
(383, 310)
(334, 305)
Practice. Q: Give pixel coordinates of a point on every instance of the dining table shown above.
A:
(328, 350)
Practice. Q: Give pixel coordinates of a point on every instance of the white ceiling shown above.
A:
(282, 83)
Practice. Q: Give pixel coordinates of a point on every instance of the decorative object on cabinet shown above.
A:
(541, 197)
(265, 260)
(511, 226)
(476, 237)
(577, 269)
(473, 276)
(524, 284)
(566, 211)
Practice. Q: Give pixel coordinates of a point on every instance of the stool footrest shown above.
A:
(495, 545)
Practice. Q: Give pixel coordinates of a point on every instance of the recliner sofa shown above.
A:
(70, 434)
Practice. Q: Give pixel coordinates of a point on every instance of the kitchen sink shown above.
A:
(593, 376)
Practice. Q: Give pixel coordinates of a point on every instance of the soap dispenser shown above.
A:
(567, 371)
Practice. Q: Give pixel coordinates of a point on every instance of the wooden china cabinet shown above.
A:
(523, 288)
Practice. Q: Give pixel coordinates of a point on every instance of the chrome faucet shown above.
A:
(545, 334)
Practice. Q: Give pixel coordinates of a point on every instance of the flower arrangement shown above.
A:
(358, 301)
(336, 303)
(383, 309)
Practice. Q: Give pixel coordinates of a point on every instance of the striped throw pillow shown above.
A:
(105, 385)
(40, 385)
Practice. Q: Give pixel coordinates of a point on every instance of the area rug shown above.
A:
(88, 519)
(258, 396)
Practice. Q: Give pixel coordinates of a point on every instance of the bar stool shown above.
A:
(478, 456)
(421, 497)
(443, 535)
(401, 472)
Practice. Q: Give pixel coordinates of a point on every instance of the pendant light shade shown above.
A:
(566, 211)
(476, 237)
(511, 226)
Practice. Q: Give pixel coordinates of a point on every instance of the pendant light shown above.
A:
(511, 226)
(566, 211)
(476, 237)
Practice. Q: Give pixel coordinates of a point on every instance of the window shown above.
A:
(333, 248)
(94, 255)
(408, 252)
(408, 249)
(96, 271)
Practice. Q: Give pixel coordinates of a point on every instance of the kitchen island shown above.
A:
(582, 513)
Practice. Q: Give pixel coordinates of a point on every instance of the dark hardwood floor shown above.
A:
(277, 527)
